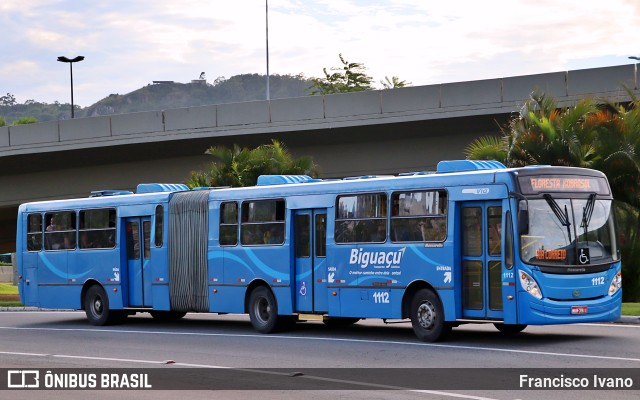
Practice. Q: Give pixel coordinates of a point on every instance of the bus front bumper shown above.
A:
(547, 312)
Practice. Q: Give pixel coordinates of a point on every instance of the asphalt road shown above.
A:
(54, 340)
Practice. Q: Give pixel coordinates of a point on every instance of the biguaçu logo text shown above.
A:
(378, 259)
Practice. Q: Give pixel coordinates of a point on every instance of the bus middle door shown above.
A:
(481, 247)
(309, 241)
(138, 239)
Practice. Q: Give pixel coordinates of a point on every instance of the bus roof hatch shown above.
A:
(467, 165)
(265, 180)
(160, 187)
(101, 193)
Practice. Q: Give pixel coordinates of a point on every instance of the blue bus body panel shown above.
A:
(243, 265)
(227, 299)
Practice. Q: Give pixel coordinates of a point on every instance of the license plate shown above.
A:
(579, 309)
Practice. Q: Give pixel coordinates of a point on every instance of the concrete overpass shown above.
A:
(375, 132)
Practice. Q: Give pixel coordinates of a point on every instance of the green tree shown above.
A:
(603, 137)
(393, 83)
(619, 136)
(543, 133)
(350, 77)
(487, 148)
(242, 166)
(8, 100)
(2, 121)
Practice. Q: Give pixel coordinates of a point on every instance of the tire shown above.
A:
(510, 329)
(340, 322)
(96, 306)
(166, 316)
(263, 311)
(427, 316)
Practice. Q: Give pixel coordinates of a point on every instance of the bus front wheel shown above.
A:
(96, 306)
(263, 310)
(427, 316)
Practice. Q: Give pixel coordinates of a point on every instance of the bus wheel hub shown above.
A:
(426, 315)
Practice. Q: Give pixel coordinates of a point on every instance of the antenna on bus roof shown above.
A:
(416, 173)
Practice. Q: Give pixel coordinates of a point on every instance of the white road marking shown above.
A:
(316, 338)
(635, 326)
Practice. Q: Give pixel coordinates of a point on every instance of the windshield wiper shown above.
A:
(587, 212)
(563, 217)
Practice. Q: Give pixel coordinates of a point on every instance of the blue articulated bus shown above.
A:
(471, 242)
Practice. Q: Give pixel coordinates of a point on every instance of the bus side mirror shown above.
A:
(523, 222)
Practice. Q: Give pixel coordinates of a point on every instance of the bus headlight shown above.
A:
(616, 284)
(530, 285)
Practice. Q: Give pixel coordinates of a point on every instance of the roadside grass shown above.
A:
(631, 309)
(7, 288)
(6, 303)
(9, 295)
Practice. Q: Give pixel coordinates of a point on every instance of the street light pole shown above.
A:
(266, 3)
(71, 61)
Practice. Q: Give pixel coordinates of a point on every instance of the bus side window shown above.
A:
(361, 218)
(60, 233)
(97, 229)
(262, 222)
(494, 230)
(419, 216)
(508, 243)
(34, 232)
(229, 224)
(159, 225)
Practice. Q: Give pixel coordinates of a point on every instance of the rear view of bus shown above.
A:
(568, 255)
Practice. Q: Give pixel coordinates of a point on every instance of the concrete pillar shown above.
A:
(15, 269)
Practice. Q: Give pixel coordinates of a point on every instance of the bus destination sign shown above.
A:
(562, 183)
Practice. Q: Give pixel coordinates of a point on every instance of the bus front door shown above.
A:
(481, 247)
(309, 241)
(138, 239)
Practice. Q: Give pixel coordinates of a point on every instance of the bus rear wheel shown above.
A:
(427, 316)
(510, 329)
(263, 311)
(96, 306)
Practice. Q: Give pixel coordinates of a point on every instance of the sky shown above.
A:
(127, 44)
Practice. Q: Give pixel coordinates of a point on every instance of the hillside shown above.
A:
(162, 96)
(166, 95)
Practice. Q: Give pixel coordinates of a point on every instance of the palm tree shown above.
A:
(606, 138)
(241, 166)
(542, 133)
(487, 148)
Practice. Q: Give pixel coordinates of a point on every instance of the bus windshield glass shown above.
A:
(569, 232)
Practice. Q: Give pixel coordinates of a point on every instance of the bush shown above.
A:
(25, 121)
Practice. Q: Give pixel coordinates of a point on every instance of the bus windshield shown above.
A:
(569, 232)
